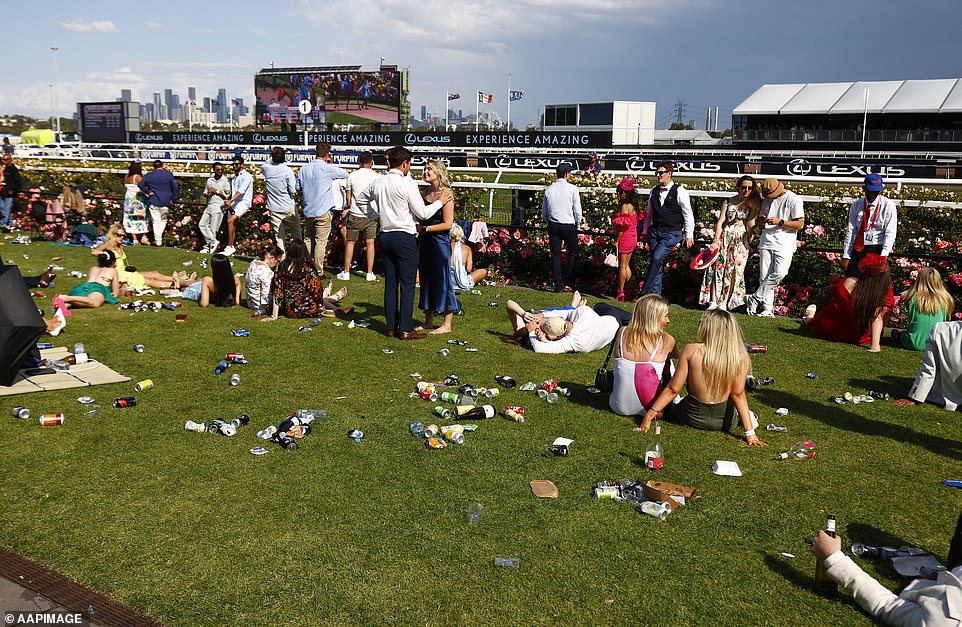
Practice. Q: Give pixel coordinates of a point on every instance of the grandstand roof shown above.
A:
(909, 96)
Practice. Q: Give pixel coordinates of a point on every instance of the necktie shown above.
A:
(860, 238)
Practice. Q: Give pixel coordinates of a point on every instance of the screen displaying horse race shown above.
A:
(337, 95)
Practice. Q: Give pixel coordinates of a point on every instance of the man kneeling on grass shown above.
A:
(573, 329)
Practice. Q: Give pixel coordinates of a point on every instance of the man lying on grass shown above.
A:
(573, 329)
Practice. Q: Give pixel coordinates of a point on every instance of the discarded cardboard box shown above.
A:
(544, 489)
(180, 318)
(663, 491)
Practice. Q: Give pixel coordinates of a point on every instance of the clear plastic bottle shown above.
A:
(507, 562)
(417, 429)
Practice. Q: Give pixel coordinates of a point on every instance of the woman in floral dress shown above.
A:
(723, 286)
(135, 210)
(299, 290)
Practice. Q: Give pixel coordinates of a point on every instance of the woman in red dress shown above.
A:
(858, 308)
(626, 230)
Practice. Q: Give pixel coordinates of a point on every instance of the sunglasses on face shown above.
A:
(749, 187)
(660, 172)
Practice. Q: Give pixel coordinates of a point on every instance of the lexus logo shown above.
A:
(799, 167)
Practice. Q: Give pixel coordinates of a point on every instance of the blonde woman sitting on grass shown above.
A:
(462, 262)
(643, 353)
(114, 242)
(714, 371)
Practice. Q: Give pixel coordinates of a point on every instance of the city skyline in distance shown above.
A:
(706, 52)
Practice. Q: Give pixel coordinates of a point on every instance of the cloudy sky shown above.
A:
(706, 52)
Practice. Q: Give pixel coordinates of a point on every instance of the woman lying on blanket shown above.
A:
(102, 286)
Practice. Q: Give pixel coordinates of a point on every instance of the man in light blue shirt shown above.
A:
(239, 203)
(314, 180)
(281, 186)
(561, 209)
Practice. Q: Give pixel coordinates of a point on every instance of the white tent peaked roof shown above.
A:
(815, 98)
(879, 93)
(910, 96)
(921, 96)
(768, 99)
(953, 102)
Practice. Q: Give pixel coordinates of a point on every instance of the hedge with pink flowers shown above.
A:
(522, 257)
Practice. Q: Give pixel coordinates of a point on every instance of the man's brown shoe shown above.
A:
(390, 333)
(411, 335)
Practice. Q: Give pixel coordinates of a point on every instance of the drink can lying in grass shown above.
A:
(143, 386)
(435, 443)
(51, 420)
(44, 345)
(514, 413)
(286, 441)
(505, 381)
(21, 412)
(442, 412)
(198, 427)
(125, 401)
(240, 421)
(138, 348)
(232, 356)
(240, 332)
(235, 379)
(268, 433)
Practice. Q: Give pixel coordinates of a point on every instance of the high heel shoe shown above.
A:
(621, 296)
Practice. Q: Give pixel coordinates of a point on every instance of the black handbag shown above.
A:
(604, 378)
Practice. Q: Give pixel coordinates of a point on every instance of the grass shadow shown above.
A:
(634, 459)
(850, 421)
(802, 580)
(896, 387)
(873, 536)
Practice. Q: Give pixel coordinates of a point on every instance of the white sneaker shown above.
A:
(343, 276)
(227, 252)
(371, 276)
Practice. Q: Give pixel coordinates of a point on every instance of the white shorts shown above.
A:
(240, 208)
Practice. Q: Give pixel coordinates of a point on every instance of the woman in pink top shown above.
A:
(626, 230)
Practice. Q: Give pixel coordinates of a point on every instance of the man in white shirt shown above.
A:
(939, 380)
(575, 329)
(923, 602)
(561, 209)
(242, 195)
(281, 185)
(668, 219)
(782, 216)
(217, 191)
(398, 203)
(359, 223)
(872, 225)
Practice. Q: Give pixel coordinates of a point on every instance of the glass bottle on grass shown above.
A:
(655, 453)
(825, 585)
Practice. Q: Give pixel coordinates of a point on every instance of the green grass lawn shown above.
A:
(194, 530)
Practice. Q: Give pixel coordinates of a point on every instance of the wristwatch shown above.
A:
(781, 222)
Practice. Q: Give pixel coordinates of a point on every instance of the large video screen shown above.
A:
(102, 122)
(336, 96)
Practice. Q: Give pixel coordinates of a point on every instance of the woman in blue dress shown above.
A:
(434, 247)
